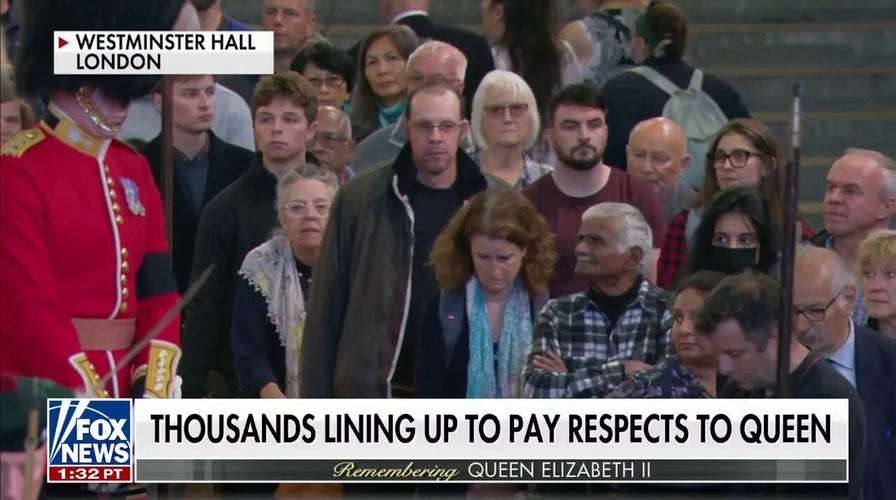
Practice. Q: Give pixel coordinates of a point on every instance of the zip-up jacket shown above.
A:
(362, 280)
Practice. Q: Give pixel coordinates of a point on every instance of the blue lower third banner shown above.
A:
(539, 470)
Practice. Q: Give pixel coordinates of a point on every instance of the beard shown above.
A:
(579, 162)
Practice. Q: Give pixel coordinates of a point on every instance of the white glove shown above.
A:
(174, 392)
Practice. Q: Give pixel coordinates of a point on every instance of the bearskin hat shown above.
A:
(33, 67)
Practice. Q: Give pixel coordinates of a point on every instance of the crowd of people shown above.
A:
(432, 213)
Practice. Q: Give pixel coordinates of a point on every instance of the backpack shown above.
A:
(611, 47)
(695, 111)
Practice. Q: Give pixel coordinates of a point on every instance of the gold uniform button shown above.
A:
(123, 308)
(112, 194)
(119, 220)
(124, 253)
(110, 182)
(116, 208)
(125, 266)
(124, 293)
(124, 279)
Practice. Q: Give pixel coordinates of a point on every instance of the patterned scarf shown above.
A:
(497, 373)
(271, 269)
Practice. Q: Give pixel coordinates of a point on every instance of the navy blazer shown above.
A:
(876, 379)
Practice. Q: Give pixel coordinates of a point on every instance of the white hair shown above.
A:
(433, 46)
(887, 166)
(309, 171)
(842, 276)
(632, 229)
(504, 82)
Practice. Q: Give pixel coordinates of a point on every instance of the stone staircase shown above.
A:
(844, 53)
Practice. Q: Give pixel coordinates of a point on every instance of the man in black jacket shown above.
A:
(360, 341)
(203, 164)
(740, 318)
(238, 219)
(414, 14)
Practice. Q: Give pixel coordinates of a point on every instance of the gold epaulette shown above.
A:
(21, 142)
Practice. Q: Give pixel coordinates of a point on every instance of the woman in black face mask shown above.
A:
(737, 233)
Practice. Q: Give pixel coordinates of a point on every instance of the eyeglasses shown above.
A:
(499, 111)
(815, 313)
(299, 209)
(419, 80)
(331, 81)
(329, 140)
(446, 127)
(737, 158)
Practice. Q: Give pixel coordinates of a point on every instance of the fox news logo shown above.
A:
(89, 439)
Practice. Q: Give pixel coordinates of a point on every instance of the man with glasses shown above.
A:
(740, 318)
(823, 296)
(360, 341)
(332, 145)
(433, 62)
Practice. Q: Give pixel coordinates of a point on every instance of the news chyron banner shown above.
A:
(508, 440)
(163, 52)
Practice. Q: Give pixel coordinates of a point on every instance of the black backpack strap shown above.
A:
(451, 317)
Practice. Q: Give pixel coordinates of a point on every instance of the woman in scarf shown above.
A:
(493, 262)
(691, 372)
(269, 311)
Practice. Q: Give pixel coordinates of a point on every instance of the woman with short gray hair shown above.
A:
(269, 309)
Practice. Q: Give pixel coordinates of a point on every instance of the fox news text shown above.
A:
(205, 440)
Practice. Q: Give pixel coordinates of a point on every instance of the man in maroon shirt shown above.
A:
(577, 131)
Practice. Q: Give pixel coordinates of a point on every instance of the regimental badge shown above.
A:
(132, 195)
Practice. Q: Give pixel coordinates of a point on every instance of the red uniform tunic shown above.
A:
(82, 237)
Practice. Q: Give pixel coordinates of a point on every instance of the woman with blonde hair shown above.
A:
(877, 276)
(505, 125)
(493, 263)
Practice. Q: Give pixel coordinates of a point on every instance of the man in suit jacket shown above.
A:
(414, 14)
(823, 298)
(203, 164)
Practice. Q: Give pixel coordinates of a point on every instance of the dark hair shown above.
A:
(435, 89)
(290, 85)
(738, 200)
(533, 45)
(753, 300)
(669, 25)
(771, 181)
(326, 56)
(577, 94)
(364, 112)
(701, 281)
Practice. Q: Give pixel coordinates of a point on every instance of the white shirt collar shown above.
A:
(845, 356)
(408, 13)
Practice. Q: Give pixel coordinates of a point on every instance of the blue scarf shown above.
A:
(389, 116)
(487, 378)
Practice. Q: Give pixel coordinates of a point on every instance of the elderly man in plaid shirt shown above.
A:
(586, 344)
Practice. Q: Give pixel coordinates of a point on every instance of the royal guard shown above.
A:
(85, 272)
